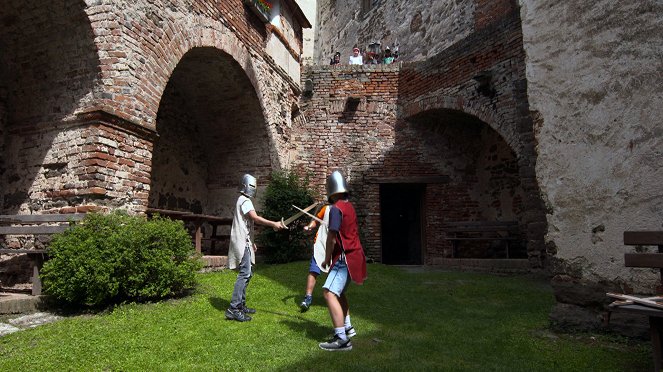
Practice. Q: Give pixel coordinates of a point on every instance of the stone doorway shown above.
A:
(401, 220)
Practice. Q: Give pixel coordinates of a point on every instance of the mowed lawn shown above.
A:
(405, 321)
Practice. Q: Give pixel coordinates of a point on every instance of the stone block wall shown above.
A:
(594, 87)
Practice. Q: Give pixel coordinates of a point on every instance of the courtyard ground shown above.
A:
(406, 319)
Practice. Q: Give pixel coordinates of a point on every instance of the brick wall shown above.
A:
(457, 122)
(118, 59)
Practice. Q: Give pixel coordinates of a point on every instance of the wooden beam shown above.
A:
(651, 260)
(38, 218)
(421, 179)
(643, 237)
(32, 230)
(637, 300)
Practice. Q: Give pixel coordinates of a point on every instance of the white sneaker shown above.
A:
(350, 332)
(336, 344)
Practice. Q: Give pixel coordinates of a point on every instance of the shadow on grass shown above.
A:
(299, 324)
(219, 303)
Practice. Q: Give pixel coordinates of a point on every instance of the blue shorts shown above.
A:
(313, 267)
(337, 279)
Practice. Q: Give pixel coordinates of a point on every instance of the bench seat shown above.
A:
(458, 231)
(35, 224)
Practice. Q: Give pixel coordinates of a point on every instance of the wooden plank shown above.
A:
(478, 229)
(39, 218)
(637, 309)
(651, 260)
(483, 238)
(410, 180)
(637, 300)
(22, 251)
(480, 223)
(32, 230)
(643, 237)
(167, 212)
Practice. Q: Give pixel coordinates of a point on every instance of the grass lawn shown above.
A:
(405, 321)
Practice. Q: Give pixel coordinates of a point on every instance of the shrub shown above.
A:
(116, 258)
(285, 190)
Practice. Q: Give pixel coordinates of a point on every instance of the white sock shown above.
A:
(348, 324)
(340, 332)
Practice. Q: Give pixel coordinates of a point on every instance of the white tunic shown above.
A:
(241, 233)
(320, 246)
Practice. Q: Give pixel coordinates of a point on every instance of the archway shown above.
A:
(465, 171)
(211, 130)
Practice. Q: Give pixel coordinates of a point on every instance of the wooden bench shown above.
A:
(197, 220)
(35, 224)
(458, 231)
(651, 307)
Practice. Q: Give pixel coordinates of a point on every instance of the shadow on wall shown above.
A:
(49, 68)
(465, 171)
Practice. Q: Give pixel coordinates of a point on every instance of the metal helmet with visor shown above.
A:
(249, 186)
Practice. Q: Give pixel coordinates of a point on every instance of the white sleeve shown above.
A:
(247, 206)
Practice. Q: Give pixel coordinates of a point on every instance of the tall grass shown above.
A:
(443, 321)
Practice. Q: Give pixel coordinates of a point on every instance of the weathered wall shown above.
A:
(594, 72)
(67, 60)
(355, 122)
(420, 29)
(309, 7)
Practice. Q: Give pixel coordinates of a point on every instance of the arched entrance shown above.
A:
(451, 167)
(211, 130)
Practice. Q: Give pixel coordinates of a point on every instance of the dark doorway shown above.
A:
(400, 211)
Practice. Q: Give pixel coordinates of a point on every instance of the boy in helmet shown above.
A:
(345, 257)
(242, 247)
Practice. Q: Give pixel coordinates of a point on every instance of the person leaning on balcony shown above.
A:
(356, 58)
(336, 59)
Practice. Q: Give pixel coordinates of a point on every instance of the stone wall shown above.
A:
(594, 87)
(115, 59)
(418, 29)
(84, 85)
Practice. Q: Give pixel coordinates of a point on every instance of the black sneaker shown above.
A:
(238, 315)
(336, 344)
(247, 310)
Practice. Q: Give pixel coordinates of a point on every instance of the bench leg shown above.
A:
(36, 280)
(655, 327)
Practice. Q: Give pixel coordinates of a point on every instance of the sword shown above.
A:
(298, 214)
(310, 215)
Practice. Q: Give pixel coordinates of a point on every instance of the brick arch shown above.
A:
(458, 103)
(156, 61)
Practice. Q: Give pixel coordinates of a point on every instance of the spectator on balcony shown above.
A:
(336, 59)
(371, 59)
(388, 57)
(356, 58)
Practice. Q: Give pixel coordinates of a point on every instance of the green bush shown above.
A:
(285, 190)
(115, 258)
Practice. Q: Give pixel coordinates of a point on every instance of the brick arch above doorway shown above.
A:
(141, 60)
(482, 112)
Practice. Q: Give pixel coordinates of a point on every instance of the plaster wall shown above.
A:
(309, 7)
(595, 72)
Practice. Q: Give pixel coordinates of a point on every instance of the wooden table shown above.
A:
(197, 220)
(647, 260)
